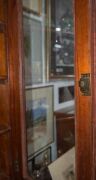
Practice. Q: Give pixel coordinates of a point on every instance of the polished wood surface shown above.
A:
(17, 89)
(3, 39)
(3, 55)
(93, 55)
(11, 114)
(6, 171)
(84, 147)
(3, 10)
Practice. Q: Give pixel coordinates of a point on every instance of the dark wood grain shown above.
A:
(93, 55)
(17, 89)
(3, 10)
(3, 56)
(17, 109)
(5, 125)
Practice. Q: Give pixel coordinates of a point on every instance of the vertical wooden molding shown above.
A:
(17, 109)
(93, 55)
(84, 138)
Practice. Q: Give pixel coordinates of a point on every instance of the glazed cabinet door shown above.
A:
(13, 148)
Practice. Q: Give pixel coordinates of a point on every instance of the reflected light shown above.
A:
(58, 46)
(58, 29)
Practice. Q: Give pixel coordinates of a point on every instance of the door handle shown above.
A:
(84, 84)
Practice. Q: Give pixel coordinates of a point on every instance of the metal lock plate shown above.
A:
(84, 84)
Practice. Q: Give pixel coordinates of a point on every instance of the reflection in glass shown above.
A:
(66, 94)
(33, 50)
(39, 118)
(49, 54)
(62, 53)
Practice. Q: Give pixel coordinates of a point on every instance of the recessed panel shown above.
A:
(3, 63)
(3, 10)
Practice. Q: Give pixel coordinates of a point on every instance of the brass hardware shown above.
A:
(84, 84)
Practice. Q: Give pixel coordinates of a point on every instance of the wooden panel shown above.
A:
(4, 177)
(5, 154)
(3, 42)
(3, 56)
(4, 108)
(3, 4)
(5, 124)
(83, 103)
(2, 14)
(17, 111)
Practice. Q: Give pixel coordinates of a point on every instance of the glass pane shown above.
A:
(39, 116)
(33, 50)
(49, 58)
(62, 52)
